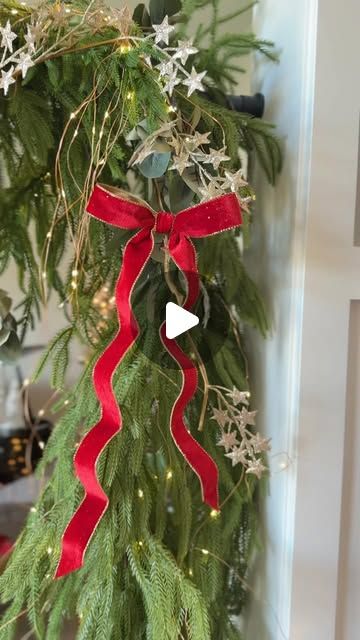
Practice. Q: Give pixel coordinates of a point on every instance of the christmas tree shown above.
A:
(93, 96)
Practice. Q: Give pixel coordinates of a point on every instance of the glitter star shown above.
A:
(7, 79)
(247, 417)
(121, 19)
(257, 468)
(34, 34)
(260, 444)
(216, 157)
(24, 63)
(238, 456)
(180, 163)
(162, 31)
(221, 417)
(194, 81)
(171, 83)
(30, 39)
(7, 37)
(166, 67)
(176, 144)
(198, 139)
(239, 397)
(59, 14)
(234, 181)
(228, 441)
(184, 49)
(211, 190)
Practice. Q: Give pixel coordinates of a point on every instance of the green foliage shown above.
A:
(58, 352)
(137, 568)
(220, 52)
(239, 130)
(146, 575)
(32, 117)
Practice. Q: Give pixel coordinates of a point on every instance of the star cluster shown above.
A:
(12, 62)
(241, 443)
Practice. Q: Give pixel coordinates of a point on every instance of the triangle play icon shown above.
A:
(178, 320)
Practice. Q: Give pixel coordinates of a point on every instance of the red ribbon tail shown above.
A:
(183, 254)
(84, 522)
(198, 459)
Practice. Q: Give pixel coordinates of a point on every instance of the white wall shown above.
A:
(309, 267)
(277, 262)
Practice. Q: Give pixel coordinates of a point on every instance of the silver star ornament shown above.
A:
(221, 417)
(257, 468)
(24, 63)
(260, 444)
(210, 191)
(239, 397)
(30, 38)
(234, 181)
(166, 67)
(8, 37)
(247, 417)
(184, 49)
(7, 79)
(194, 81)
(228, 441)
(180, 163)
(162, 31)
(197, 140)
(171, 83)
(238, 456)
(216, 157)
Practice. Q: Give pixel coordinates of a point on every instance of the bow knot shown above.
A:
(164, 222)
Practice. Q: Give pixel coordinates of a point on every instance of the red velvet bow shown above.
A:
(202, 220)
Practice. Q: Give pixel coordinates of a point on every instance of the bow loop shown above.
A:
(210, 217)
(106, 205)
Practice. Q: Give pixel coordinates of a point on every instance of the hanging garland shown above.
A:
(93, 96)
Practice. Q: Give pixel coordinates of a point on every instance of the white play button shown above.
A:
(178, 320)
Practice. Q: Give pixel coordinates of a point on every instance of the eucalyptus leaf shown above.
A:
(140, 132)
(5, 303)
(133, 135)
(10, 323)
(11, 350)
(180, 194)
(144, 124)
(158, 252)
(189, 177)
(4, 335)
(196, 116)
(155, 165)
(160, 146)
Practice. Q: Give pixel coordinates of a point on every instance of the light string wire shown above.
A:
(62, 207)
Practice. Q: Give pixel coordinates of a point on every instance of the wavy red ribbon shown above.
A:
(202, 220)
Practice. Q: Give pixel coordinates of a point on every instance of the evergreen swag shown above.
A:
(91, 104)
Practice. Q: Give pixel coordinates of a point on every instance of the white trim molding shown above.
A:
(280, 238)
(309, 269)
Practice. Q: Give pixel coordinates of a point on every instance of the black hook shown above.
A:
(253, 105)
